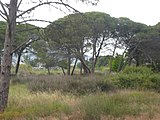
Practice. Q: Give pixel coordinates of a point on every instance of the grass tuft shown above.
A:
(119, 104)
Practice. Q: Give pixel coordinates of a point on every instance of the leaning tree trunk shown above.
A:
(69, 62)
(74, 67)
(85, 67)
(7, 55)
(93, 54)
(18, 63)
(63, 71)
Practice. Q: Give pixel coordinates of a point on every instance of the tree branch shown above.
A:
(3, 15)
(34, 20)
(30, 40)
(19, 3)
(45, 3)
(5, 12)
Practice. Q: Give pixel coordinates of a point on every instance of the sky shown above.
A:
(143, 11)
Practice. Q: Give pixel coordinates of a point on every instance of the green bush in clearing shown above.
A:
(137, 70)
(141, 78)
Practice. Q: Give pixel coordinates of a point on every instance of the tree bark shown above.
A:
(74, 67)
(82, 54)
(18, 62)
(63, 71)
(93, 54)
(85, 67)
(7, 56)
(98, 52)
(69, 62)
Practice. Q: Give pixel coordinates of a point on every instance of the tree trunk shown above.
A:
(121, 61)
(93, 54)
(111, 60)
(18, 62)
(81, 69)
(74, 67)
(0, 63)
(82, 54)
(69, 62)
(7, 56)
(48, 69)
(85, 67)
(63, 70)
(98, 52)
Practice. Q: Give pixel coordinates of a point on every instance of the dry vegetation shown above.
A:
(95, 105)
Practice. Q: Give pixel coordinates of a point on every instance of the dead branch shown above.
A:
(38, 20)
(46, 3)
(4, 11)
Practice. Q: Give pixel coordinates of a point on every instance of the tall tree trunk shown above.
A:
(18, 62)
(7, 56)
(82, 54)
(111, 60)
(74, 67)
(121, 61)
(69, 62)
(93, 54)
(0, 62)
(98, 52)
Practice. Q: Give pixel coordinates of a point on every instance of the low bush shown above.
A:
(137, 70)
(141, 78)
(71, 84)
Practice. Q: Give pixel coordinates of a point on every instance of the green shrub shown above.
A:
(141, 78)
(117, 63)
(153, 82)
(137, 70)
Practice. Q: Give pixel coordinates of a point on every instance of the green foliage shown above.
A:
(103, 61)
(24, 32)
(141, 78)
(117, 63)
(137, 70)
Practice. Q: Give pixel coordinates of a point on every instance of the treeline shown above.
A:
(71, 39)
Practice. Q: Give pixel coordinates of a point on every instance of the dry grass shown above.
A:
(120, 105)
